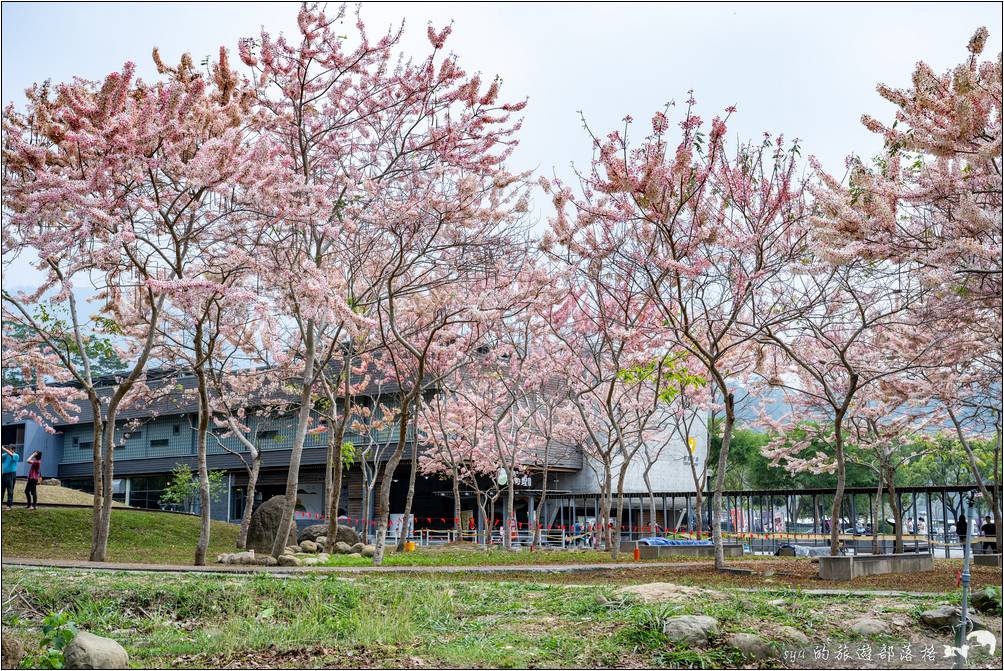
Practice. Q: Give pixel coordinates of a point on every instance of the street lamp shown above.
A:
(961, 629)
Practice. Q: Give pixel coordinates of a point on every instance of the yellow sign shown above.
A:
(693, 444)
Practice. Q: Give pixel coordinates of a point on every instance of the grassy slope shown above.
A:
(55, 494)
(136, 535)
(211, 621)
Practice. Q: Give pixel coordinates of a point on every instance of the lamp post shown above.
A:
(963, 625)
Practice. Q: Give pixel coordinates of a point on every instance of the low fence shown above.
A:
(587, 536)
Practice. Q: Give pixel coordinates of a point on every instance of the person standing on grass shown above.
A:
(10, 461)
(34, 475)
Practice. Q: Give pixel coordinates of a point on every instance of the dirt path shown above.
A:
(774, 574)
(21, 562)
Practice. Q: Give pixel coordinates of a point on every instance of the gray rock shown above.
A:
(291, 549)
(869, 626)
(265, 525)
(308, 546)
(752, 646)
(87, 651)
(368, 550)
(987, 600)
(223, 558)
(247, 557)
(690, 629)
(321, 540)
(288, 560)
(358, 547)
(267, 560)
(311, 561)
(664, 591)
(345, 534)
(355, 554)
(793, 634)
(947, 617)
(13, 650)
(343, 548)
(323, 557)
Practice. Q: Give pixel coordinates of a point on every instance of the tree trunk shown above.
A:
(897, 511)
(606, 503)
(335, 442)
(329, 490)
(97, 436)
(716, 499)
(336, 499)
(383, 500)
(303, 418)
(204, 498)
(510, 513)
(242, 536)
(457, 522)
(543, 497)
(616, 545)
(485, 524)
(838, 495)
(699, 513)
(409, 498)
(651, 503)
(877, 514)
(100, 550)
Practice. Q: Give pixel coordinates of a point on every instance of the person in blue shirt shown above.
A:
(10, 460)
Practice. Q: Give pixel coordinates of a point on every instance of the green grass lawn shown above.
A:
(313, 620)
(136, 535)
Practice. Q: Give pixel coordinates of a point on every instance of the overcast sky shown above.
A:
(808, 71)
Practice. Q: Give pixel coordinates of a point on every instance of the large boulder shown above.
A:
(13, 650)
(342, 548)
(345, 534)
(309, 546)
(265, 525)
(288, 560)
(690, 629)
(87, 651)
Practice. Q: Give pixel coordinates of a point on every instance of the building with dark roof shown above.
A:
(152, 439)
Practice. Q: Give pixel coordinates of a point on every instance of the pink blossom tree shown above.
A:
(931, 205)
(401, 150)
(101, 181)
(708, 233)
(855, 335)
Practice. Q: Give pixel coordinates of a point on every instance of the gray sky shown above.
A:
(808, 71)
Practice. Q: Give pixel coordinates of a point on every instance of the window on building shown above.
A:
(267, 435)
(86, 444)
(160, 442)
(176, 429)
(145, 492)
(132, 435)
